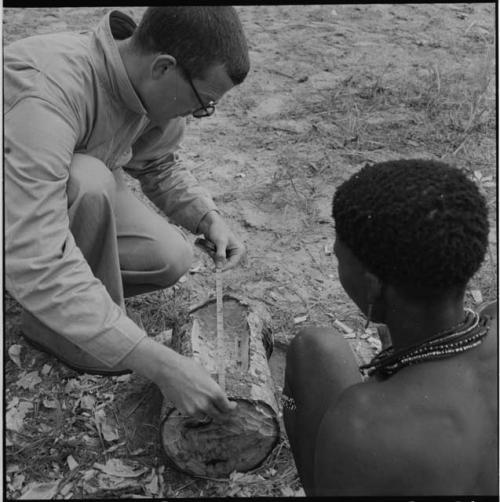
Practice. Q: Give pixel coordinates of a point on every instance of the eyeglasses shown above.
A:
(204, 110)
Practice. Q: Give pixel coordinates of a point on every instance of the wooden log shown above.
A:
(243, 441)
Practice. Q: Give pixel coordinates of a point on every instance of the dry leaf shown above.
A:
(29, 380)
(17, 482)
(116, 467)
(14, 417)
(153, 487)
(66, 489)
(107, 430)
(15, 354)
(72, 463)
(87, 402)
(46, 369)
(40, 491)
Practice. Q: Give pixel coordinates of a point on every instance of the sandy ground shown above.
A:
(331, 88)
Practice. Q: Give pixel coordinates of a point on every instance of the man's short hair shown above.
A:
(199, 37)
(419, 225)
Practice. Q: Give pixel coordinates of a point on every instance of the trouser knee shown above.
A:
(90, 182)
(177, 265)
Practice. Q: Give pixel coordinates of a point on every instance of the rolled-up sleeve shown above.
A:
(44, 269)
(164, 180)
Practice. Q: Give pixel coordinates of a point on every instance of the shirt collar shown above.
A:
(109, 63)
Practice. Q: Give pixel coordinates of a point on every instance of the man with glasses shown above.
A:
(78, 110)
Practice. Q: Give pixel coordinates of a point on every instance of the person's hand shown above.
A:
(229, 250)
(181, 379)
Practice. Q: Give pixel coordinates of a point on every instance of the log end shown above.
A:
(216, 449)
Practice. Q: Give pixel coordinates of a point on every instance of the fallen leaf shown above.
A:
(87, 402)
(14, 417)
(107, 430)
(116, 467)
(29, 380)
(17, 482)
(15, 354)
(66, 489)
(72, 463)
(72, 386)
(40, 491)
(46, 369)
(13, 403)
(153, 487)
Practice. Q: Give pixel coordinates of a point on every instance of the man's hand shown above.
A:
(181, 380)
(229, 249)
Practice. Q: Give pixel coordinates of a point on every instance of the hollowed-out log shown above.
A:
(245, 439)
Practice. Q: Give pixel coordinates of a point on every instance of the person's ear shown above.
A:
(162, 64)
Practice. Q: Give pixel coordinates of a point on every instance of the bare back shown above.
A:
(430, 429)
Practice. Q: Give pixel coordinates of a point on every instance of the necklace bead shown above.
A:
(464, 336)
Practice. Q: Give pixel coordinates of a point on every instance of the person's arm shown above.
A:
(175, 191)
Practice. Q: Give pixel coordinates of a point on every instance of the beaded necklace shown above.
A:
(464, 336)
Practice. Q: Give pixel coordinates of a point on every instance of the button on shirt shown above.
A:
(64, 94)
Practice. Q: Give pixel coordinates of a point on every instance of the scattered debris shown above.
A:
(329, 248)
(15, 354)
(29, 380)
(300, 319)
(40, 491)
(477, 296)
(343, 327)
(116, 467)
(72, 463)
(16, 411)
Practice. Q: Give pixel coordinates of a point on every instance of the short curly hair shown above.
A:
(419, 225)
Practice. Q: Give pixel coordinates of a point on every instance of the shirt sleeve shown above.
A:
(164, 180)
(44, 269)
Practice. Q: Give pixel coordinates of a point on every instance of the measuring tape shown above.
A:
(209, 247)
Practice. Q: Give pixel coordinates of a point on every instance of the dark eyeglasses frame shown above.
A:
(204, 110)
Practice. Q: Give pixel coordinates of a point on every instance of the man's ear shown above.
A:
(373, 287)
(161, 64)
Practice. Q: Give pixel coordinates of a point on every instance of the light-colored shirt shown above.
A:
(69, 93)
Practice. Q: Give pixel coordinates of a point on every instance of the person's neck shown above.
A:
(412, 322)
(133, 63)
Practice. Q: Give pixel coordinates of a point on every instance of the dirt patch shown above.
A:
(331, 88)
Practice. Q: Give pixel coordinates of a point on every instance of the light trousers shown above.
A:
(130, 248)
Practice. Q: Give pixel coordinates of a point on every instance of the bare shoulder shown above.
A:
(372, 442)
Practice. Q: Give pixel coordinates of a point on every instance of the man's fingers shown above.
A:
(235, 256)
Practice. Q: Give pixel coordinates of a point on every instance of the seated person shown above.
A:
(409, 236)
